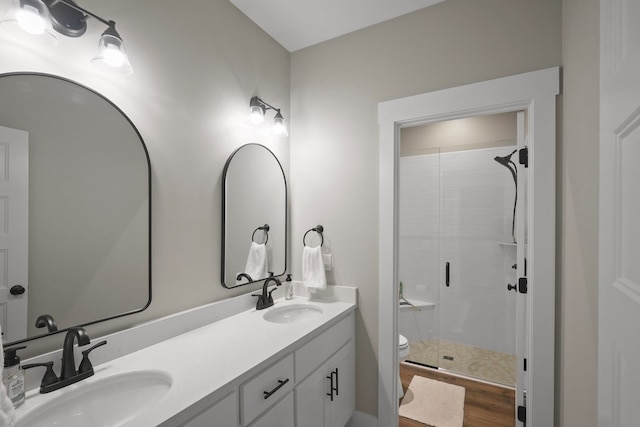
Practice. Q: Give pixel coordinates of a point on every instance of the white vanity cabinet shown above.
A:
(311, 385)
(226, 364)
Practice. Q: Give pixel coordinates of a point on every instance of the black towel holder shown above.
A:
(318, 229)
(264, 228)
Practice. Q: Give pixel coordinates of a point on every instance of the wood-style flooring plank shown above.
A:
(485, 405)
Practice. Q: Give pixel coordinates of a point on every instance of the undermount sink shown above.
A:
(293, 313)
(106, 402)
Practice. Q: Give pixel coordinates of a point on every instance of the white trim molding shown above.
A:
(535, 93)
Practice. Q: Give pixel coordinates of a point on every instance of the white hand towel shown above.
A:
(313, 275)
(7, 412)
(256, 266)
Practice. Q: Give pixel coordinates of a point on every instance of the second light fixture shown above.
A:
(258, 109)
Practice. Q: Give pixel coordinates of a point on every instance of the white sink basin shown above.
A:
(106, 402)
(293, 313)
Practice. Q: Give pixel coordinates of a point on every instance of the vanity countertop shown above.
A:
(203, 361)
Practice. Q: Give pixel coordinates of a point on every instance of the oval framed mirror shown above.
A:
(254, 216)
(89, 208)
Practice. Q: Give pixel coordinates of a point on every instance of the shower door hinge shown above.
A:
(522, 285)
(524, 157)
(522, 414)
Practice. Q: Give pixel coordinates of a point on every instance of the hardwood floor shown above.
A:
(485, 405)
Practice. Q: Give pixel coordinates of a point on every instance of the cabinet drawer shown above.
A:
(280, 415)
(223, 414)
(310, 356)
(266, 388)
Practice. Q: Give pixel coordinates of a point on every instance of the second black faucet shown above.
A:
(265, 300)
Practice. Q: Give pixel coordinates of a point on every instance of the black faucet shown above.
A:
(68, 372)
(48, 321)
(68, 359)
(245, 276)
(265, 300)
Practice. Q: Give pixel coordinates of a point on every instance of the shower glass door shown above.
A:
(458, 256)
(477, 298)
(419, 252)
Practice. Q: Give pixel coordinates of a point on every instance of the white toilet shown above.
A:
(403, 354)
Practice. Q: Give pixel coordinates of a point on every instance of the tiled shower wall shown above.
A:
(457, 207)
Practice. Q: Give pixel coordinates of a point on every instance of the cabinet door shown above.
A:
(326, 398)
(340, 400)
(310, 397)
(280, 415)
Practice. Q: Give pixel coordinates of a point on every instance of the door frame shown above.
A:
(536, 93)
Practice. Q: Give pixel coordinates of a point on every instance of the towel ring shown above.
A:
(318, 229)
(264, 228)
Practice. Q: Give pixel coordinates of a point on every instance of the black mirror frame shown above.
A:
(146, 153)
(224, 224)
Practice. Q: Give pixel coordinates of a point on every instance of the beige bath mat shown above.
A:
(434, 403)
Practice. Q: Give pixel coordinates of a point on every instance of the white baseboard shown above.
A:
(361, 419)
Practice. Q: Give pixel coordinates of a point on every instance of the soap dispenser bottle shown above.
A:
(288, 288)
(13, 376)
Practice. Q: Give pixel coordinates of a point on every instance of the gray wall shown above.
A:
(335, 90)
(196, 65)
(471, 133)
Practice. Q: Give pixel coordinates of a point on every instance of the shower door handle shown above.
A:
(446, 274)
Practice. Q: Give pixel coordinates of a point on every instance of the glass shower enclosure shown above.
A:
(457, 259)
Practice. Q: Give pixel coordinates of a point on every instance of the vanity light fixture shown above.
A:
(256, 116)
(41, 17)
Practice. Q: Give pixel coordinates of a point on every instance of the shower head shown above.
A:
(505, 160)
(507, 163)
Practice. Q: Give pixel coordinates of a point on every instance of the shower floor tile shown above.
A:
(465, 359)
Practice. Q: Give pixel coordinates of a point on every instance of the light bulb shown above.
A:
(29, 20)
(278, 128)
(113, 56)
(111, 53)
(256, 116)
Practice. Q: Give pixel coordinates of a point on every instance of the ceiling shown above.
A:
(296, 24)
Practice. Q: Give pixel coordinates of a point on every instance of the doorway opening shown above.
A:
(457, 244)
(457, 264)
(533, 93)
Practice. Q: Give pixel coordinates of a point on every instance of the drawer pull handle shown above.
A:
(447, 275)
(332, 387)
(267, 394)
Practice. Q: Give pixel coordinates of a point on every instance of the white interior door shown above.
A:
(619, 276)
(14, 224)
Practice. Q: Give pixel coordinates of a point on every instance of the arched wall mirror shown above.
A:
(254, 216)
(89, 204)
